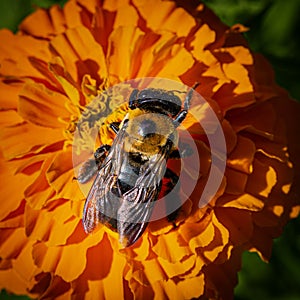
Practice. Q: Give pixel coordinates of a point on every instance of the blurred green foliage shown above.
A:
(12, 12)
(5, 296)
(274, 31)
(277, 280)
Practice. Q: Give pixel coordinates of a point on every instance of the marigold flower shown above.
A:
(52, 68)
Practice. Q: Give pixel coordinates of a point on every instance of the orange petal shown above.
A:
(268, 218)
(235, 72)
(157, 50)
(122, 42)
(12, 281)
(245, 201)
(192, 287)
(295, 212)
(176, 289)
(13, 195)
(153, 270)
(242, 156)
(230, 136)
(99, 260)
(264, 78)
(110, 263)
(214, 70)
(10, 118)
(139, 291)
(43, 23)
(126, 15)
(42, 66)
(238, 222)
(92, 4)
(177, 268)
(180, 61)
(42, 106)
(57, 288)
(141, 249)
(220, 279)
(165, 16)
(15, 219)
(9, 93)
(197, 234)
(277, 151)
(170, 289)
(57, 259)
(70, 87)
(262, 180)
(71, 47)
(115, 278)
(227, 96)
(262, 243)
(90, 289)
(54, 227)
(218, 246)
(238, 54)
(200, 262)
(27, 141)
(20, 66)
(235, 182)
(254, 120)
(60, 176)
(37, 193)
(9, 237)
(25, 266)
(178, 250)
(202, 38)
(74, 14)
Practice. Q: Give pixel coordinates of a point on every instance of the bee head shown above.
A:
(158, 101)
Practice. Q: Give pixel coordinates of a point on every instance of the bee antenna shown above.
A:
(196, 84)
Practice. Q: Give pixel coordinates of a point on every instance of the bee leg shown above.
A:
(184, 151)
(101, 153)
(91, 166)
(188, 97)
(172, 179)
(180, 117)
(186, 105)
(87, 171)
(115, 127)
(169, 183)
(132, 99)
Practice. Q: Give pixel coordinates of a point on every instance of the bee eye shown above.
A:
(147, 128)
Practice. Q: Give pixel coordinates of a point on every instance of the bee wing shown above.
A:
(101, 205)
(137, 205)
(104, 198)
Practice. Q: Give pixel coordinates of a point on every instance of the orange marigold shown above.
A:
(53, 67)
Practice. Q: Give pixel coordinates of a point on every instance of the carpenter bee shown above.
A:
(130, 171)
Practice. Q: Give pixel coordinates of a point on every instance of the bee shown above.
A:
(130, 171)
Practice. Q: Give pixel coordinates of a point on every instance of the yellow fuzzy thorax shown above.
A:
(151, 144)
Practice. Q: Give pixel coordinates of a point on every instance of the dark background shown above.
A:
(275, 32)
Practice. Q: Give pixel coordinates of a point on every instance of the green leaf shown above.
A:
(12, 12)
(5, 296)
